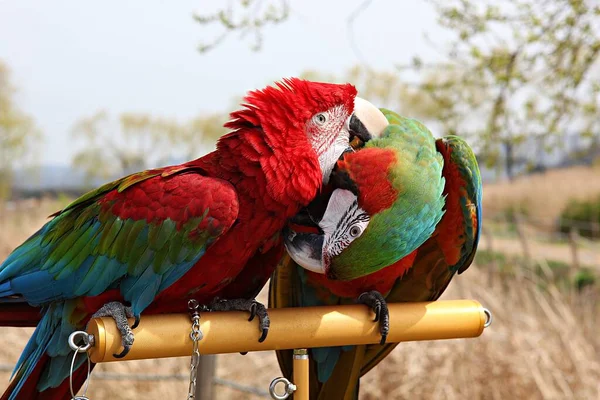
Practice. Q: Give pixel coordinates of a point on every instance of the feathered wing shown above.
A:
(127, 241)
(256, 272)
(452, 247)
(142, 232)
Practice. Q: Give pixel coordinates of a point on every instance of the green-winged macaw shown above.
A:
(403, 216)
(150, 241)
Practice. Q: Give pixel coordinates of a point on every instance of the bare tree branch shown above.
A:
(350, 30)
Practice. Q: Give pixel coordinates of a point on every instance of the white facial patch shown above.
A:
(343, 222)
(328, 159)
(329, 131)
(329, 137)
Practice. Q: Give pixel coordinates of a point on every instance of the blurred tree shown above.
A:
(248, 17)
(139, 141)
(19, 138)
(384, 89)
(204, 130)
(516, 69)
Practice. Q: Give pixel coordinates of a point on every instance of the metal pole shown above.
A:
(205, 377)
(301, 374)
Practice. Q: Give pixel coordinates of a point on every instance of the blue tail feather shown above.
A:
(51, 337)
(5, 291)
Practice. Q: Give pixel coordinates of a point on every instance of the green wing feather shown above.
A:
(432, 272)
(87, 248)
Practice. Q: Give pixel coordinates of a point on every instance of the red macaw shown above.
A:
(152, 240)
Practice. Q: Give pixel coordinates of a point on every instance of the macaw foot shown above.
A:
(255, 309)
(377, 302)
(120, 313)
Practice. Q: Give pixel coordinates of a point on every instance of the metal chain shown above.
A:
(88, 341)
(196, 336)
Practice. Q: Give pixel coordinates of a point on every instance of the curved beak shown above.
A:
(366, 122)
(306, 249)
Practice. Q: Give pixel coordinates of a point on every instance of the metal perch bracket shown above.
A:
(300, 328)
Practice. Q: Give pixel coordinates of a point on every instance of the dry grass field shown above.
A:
(543, 195)
(543, 344)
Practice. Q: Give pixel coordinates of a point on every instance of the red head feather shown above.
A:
(369, 168)
(289, 104)
(272, 131)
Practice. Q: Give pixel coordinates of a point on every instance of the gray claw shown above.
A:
(255, 309)
(122, 354)
(377, 302)
(136, 323)
(119, 313)
(252, 311)
(263, 336)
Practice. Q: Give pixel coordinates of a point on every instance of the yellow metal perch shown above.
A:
(160, 336)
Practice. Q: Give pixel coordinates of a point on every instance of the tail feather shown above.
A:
(29, 390)
(45, 362)
(19, 389)
(348, 371)
(341, 365)
(7, 293)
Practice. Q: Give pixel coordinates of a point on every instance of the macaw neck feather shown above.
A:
(381, 281)
(375, 165)
(263, 172)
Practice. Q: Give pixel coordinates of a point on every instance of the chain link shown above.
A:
(88, 341)
(196, 336)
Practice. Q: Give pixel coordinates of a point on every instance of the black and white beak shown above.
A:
(306, 249)
(366, 122)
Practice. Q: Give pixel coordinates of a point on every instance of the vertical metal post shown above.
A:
(301, 374)
(573, 236)
(205, 377)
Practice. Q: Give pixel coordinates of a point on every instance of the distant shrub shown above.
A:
(584, 277)
(510, 211)
(560, 272)
(580, 214)
(485, 257)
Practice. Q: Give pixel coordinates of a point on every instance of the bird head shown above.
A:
(386, 201)
(311, 118)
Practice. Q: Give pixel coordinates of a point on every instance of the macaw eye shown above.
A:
(320, 118)
(355, 231)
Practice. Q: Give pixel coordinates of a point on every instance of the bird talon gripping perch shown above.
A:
(255, 309)
(119, 313)
(377, 302)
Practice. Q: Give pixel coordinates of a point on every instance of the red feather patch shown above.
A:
(382, 280)
(369, 168)
(451, 230)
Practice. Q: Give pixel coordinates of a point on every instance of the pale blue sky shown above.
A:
(72, 58)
